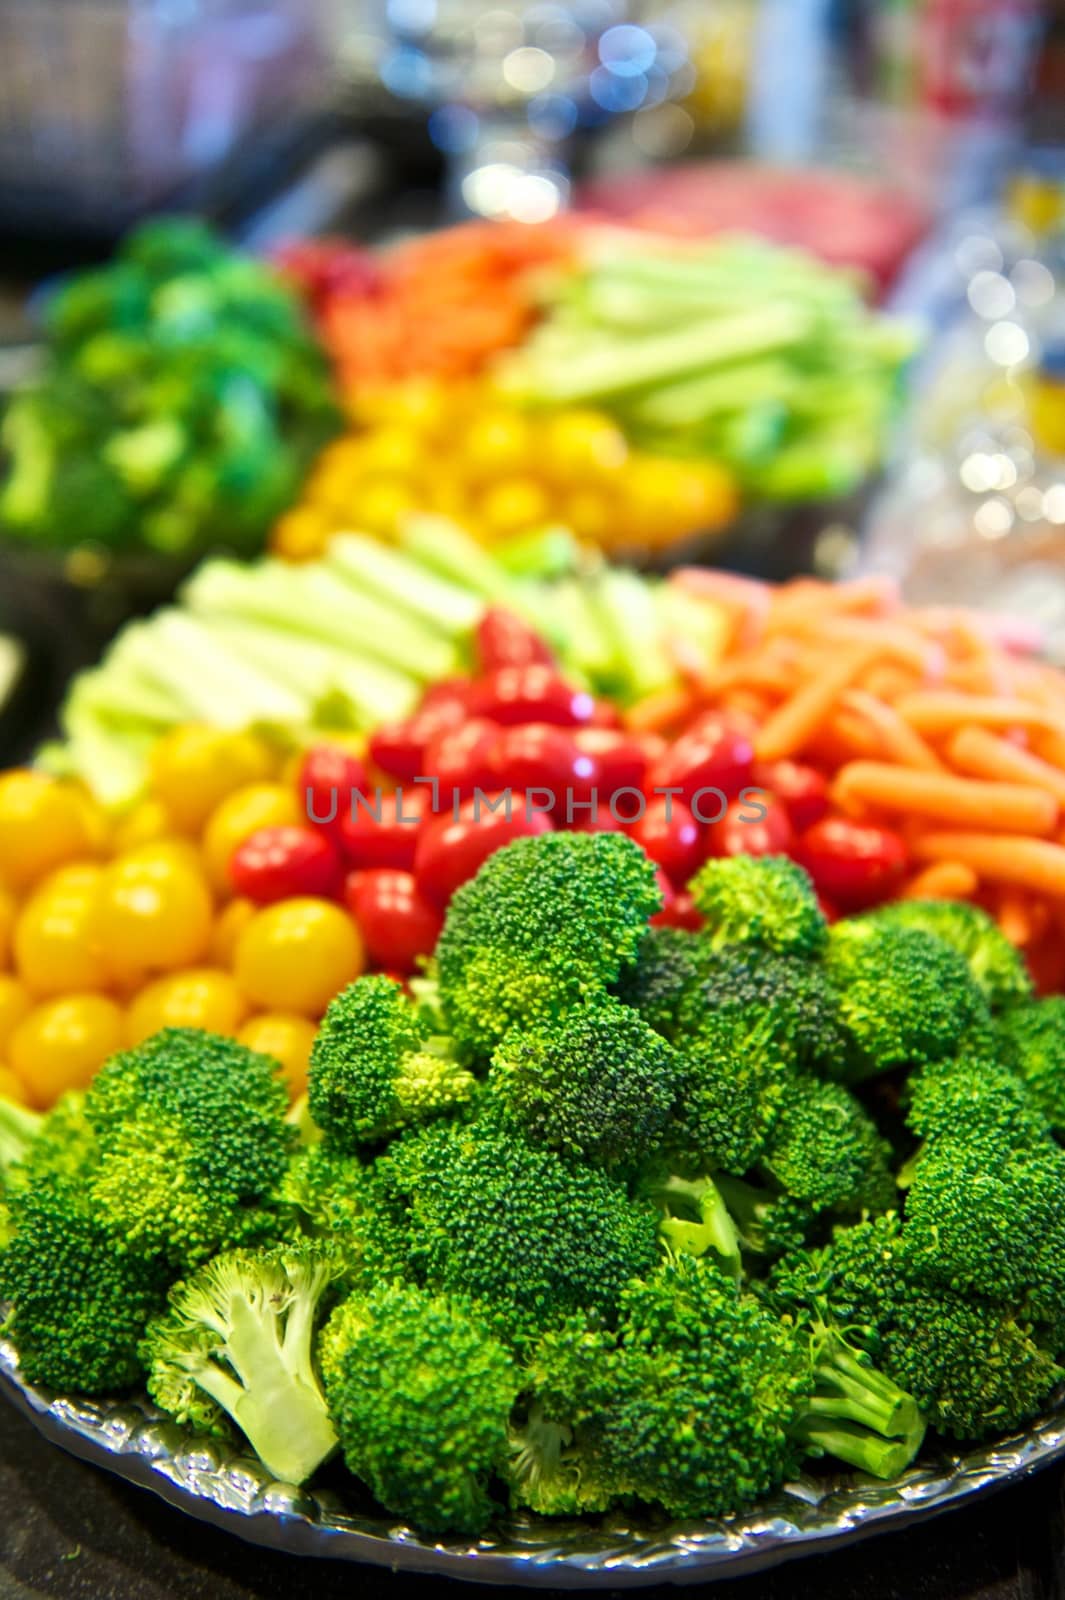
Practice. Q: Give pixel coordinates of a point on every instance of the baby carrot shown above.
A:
(898, 740)
(943, 880)
(1000, 857)
(1009, 807)
(941, 711)
(794, 723)
(662, 709)
(981, 754)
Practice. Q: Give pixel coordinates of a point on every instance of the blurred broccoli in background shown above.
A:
(182, 400)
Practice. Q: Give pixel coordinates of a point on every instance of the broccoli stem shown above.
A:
(275, 1399)
(19, 1127)
(714, 1229)
(859, 1415)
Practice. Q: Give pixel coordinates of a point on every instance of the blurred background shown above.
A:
(908, 155)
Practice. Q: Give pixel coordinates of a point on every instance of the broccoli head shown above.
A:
(792, 994)
(904, 996)
(737, 1073)
(547, 922)
(421, 1392)
(375, 1068)
(1032, 1041)
(598, 1083)
(759, 900)
(193, 1144)
(977, 1098)
(236, 1346)
(79, 1298)
(997, 968)
(519, 1227)
(669, 963)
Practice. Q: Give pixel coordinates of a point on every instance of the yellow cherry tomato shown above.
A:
(15, 1003)
(591, 514)
(154, 911)
(497, 444)
(513, 505)
(56, 945)
(8, 913)
(287, 1038)
(194, 768)
(302, 534)
(143, 823)
(42, 824)
(229, 925)
(61, 1044)
(297, 955)
(381, 504)
(389, 452)
(582, 445)
(202, 997)
(259, 805)
(12, 1087)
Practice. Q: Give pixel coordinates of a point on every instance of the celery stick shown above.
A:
(689, 401)
(217, 685)
(449, 607)
(446, 548)
(586, 645)
(377, 693)
(550, 552)
(112, 760)
(625, 605)
(699, 628)
(116, 690)
(604, 369)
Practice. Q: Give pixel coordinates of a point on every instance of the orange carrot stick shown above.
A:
(660, 710)
(1014, 917)
(799, 718)
(982, 755)
(941, 711)
(1009, 807)
(943, 880)
(899, 741)
(1000, 857)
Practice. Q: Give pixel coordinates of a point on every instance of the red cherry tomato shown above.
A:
(757, 825)
(457, 689)
(853, 863)
(505, 640)
(325, 782)
(714, 752)
(671, 837)
(383, 832)
(397, 922)
(538, 756)
(460, 760)
(679, 913)
(802, 789)
(285, 864)
(399, 748)
(531, 694)
(669, 895)
(620, 758)
(605, 715)
(598, 821)
(451, 850)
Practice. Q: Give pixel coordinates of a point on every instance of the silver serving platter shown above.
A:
(215, 1484)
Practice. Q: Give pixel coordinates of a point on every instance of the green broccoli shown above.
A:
(996, 966)
(693, 1216)
(421, 1393)
(546, 922)
(79, 1298)
(35, 1146)
(669, 963)
(518, 1227)
(905, 997)
(334, 1196)
(793, 993)
(977, 1099)
(738, 1071)
(973, 1366)
(759, 900)
(375, 1068)
(598, 1083)
(1032, 1041)
(193, 1144)
(236, 1344)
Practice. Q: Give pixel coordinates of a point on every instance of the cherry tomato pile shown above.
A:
(247, 888)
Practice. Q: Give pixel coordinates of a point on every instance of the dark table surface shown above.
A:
(72, 1532)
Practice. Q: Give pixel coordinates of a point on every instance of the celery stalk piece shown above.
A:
(447, 549)
(217, 685)
(696, 630)
(625, 605)
(117, 690)
(374, 693)
(450, 607)
(605, 368)
(587, 647)
(315, 603)
(112, 759)
(691, 400)
(550, 552)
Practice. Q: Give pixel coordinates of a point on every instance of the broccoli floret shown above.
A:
(19, 1127)
(793, 992)
(1032, 1041)
(193, 1144)
(974, 1368)
(516, 1226)
(760, 900)
(421, 1393)
(332, 1195)
(598, 1083)
(35, 1146)
(79, 1298)
(996, 966)
(825, 1148)
(738, 1069)
(669, 963)
(547, 922)
(551, 1468)
(236, 1342)
(904, 997)
(977, 1099)
(693, 1217)
(376, 1069)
